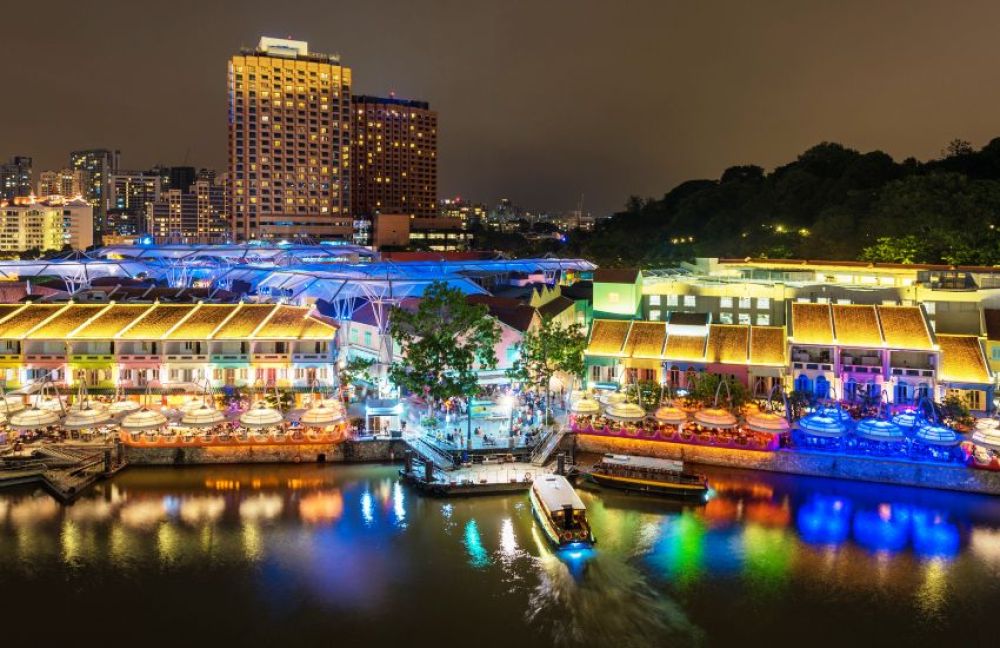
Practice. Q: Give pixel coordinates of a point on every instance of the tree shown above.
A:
(891, 249)
(355, 369)
(544, 351)
(442, 341)
(958, 147)
(706, 385)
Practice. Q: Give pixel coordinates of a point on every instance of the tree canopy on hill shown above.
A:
(832, 202)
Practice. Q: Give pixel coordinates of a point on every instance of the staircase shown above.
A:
(549, 443)
(427, 452)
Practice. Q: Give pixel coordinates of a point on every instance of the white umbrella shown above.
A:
(202, 418)
(625, 412)
(49, 403)
(191, 405)
(767, 422)
(585, 406)
(321, 416)
(987, 439)
(143, 420)
(33, 419)
(261, 416)
(612, 398)
(12, 404)
(123, 407)
(671, 415)
(82, 418)
(715, 418)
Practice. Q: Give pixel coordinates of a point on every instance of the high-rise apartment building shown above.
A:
(46, 225)
(99, 164)
(130, 193)
(194, 215)
(289, 142)
(394, 158)
(64, 182)
(15, 178)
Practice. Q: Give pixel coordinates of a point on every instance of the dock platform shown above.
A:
(473, 480)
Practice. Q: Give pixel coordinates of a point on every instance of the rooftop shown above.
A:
(162, 322)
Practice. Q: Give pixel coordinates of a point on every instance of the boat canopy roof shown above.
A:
(555, 493)
(649, 463)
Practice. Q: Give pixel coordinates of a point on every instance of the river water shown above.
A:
(345, 555)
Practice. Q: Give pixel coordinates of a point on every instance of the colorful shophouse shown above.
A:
(169, 347)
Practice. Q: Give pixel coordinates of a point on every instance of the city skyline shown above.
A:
(693, 90)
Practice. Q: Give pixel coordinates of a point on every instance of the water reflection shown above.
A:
(345, 545)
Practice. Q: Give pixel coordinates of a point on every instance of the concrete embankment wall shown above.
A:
(345, 452)
(816, 464)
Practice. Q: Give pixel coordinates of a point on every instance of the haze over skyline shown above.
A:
(537, 102)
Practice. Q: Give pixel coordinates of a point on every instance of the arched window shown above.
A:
(901, 393)
(822, 387)
(803, 384)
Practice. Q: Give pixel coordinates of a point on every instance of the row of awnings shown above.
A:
(720, 343)
(157, 321)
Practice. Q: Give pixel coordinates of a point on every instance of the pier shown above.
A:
(65, 471)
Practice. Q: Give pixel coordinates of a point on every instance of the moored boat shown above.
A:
(560, 512)
(648, 475)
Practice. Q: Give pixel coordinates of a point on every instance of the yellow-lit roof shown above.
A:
(111, 321)
(767, 345)
(607, 337)
(17, 326)
(244, 322)
(904, 327)
(68, 320)
(7, 310)
(727, 343)
(645, 339)
(161, 321)
(962, 360)
(685, 347)
(811, 323)
(156, 322)
(200, 324)
(286, 322)
(313, 329)
(855, 325)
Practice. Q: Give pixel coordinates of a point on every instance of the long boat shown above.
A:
(648, 475)
(560, 512)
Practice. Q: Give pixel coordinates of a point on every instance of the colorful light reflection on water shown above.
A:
(350, 550)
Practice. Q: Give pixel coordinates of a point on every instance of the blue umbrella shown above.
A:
(907, 419)
(817, 424)
(875, 429)
(937, 434)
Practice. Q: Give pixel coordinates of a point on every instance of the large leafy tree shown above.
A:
(355, 369)
(543, 351)
(444, 340)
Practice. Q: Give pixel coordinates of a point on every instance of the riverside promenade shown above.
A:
(882, 470)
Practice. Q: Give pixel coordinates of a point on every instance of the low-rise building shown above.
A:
(45, 225)
(165, 346)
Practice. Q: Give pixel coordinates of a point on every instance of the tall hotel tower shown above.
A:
(289, 143)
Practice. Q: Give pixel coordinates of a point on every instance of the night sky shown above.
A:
(539, 101)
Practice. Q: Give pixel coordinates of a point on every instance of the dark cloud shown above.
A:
(540, 101)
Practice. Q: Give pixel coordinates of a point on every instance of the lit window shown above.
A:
(763, 302)
(763, 319)
(654, 315)
(744, 302)
(726, 318)
(690, 301)
(726, 302)
(654, 300)
(671, 300)
(744, 318)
